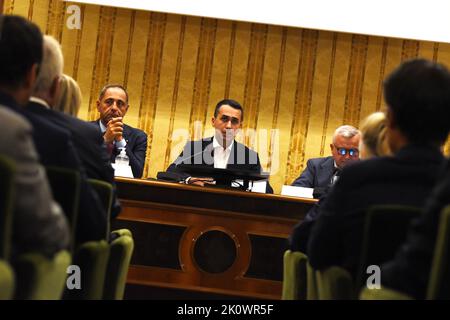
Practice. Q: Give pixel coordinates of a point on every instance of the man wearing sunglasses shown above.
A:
(320, 173)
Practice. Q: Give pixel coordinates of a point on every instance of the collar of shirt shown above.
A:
(102, 127)
(40, 101)
(216, 144)
(221, 155)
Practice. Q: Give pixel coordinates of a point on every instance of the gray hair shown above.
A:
(51, 66)
(346, 131)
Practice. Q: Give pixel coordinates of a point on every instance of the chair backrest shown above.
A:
(383, 294)
(65, 185)
(121, 250)
(294, 275)
(385, 230)
(92, 259)
(311, 283)
(7, 171)
(334, 283)
(439, 283)
(7, 281)
(105, 193)
(41, 278)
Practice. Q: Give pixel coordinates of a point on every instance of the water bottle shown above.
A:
(122, 159)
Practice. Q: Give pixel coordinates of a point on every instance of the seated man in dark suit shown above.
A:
(54, 142)
(38, 223)
(417, 95)
(220, 151)
(113, 104)
(372, 144)
(409, 271)
(86, 137)
(319, 172)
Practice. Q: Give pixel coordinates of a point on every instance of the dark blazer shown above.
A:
(136, 148)
(200, 152)
(55, 148)
(409, 271)
(405, 179)
(88, 142)
(317, 174)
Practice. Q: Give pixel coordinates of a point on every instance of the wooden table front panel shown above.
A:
(218, 241)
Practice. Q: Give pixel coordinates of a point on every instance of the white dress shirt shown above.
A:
(221, 155)
(40, 101)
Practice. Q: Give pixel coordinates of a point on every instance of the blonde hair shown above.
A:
(69, 98)
(374, 142)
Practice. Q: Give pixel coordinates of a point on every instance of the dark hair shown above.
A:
(418, 95)
(232, 103)
(20, 48)
(109, 86)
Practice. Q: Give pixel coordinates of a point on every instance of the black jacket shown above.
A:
(136, 148)
(409, 271)
(405, 179)
(201, 152)
(88, 142)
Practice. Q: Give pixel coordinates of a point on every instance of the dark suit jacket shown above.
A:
(405, 179)
(410, 270)
(88, 142)
(55, 148)
(200, 152)
(317, 174)
(136, 148)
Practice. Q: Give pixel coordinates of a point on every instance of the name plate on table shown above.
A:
(300, 192)
(122, 171)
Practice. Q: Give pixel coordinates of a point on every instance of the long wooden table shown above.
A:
(208, 240)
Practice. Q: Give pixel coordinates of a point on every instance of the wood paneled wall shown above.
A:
(296, 85)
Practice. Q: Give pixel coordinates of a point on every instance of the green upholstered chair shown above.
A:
(294, 275)
(385, 229)
(105, 193)
(334, 283)
(6, 281)
(311, 283)
(122, 232)
(121, 250)
(65, 185)
(383, 294)
(439, 283)
(41, 278)
(7, 170)
(92, 258)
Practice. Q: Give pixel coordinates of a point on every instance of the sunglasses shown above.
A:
(351, 152)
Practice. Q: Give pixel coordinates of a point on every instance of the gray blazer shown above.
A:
(39, 224)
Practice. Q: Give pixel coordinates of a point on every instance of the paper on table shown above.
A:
(256, 186)
(293, 191)
(122, 171)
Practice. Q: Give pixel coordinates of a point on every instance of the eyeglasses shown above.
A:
(351, 152)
